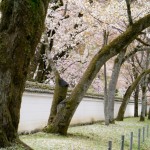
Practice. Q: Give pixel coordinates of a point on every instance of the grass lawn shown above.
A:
(90, 137)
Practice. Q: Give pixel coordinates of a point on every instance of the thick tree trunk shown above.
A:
(128, 93)
(8, 129)
(21, 26)
(67, 107)
(136, 101)
(60, 93)
(113, 83)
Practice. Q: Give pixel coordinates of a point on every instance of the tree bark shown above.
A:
(149, 113)
(61, 86)
(142, 117)
(60, 93)
(37, 68)
(105, 40)
(67, 107)
(106, 97)
(127, 95)
(21, 26)
(42, 68)
(136, 100)
(144, 85)
(136, 91)
(146, 107)
(113, 83)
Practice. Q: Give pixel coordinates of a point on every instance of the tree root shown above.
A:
(25, 146)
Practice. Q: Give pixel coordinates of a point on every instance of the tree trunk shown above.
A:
(41, 70)
(144, 88)
(67, 107)
(136, 92)
(149, 113)
(60, 93)
(146, 107)
(113, 83)
(21, 26)
(105, 40)
(144, 99)
(37, 66)
(106, 98)
(136, 101)
(142, 117)
(128, 93)
(61, 86)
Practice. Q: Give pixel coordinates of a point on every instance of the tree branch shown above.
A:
(129, 12)
(137, 49)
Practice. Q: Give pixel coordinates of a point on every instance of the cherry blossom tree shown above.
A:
(67, 107)
(90, 17)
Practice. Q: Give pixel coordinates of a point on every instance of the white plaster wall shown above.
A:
(129, 110)
(35, 110)
(89, 110)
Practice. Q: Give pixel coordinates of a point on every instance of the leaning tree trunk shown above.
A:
(60, 93)
(128, 93)
(21, 26)
(67, 107)
(113, 83)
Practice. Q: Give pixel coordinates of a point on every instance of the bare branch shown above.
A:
(129, 12)
(141, 41)
(137, 49)
(64, 69)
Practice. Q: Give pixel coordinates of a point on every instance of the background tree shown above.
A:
(128, 93)
(144, 85)
(78, 37)
(68, 106)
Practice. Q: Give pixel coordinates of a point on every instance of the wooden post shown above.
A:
(143, 134)
(147, 130)
(139, 138)
(131, 140)
(122, 142)
(109, 145)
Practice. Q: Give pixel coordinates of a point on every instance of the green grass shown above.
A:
(90, 137)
